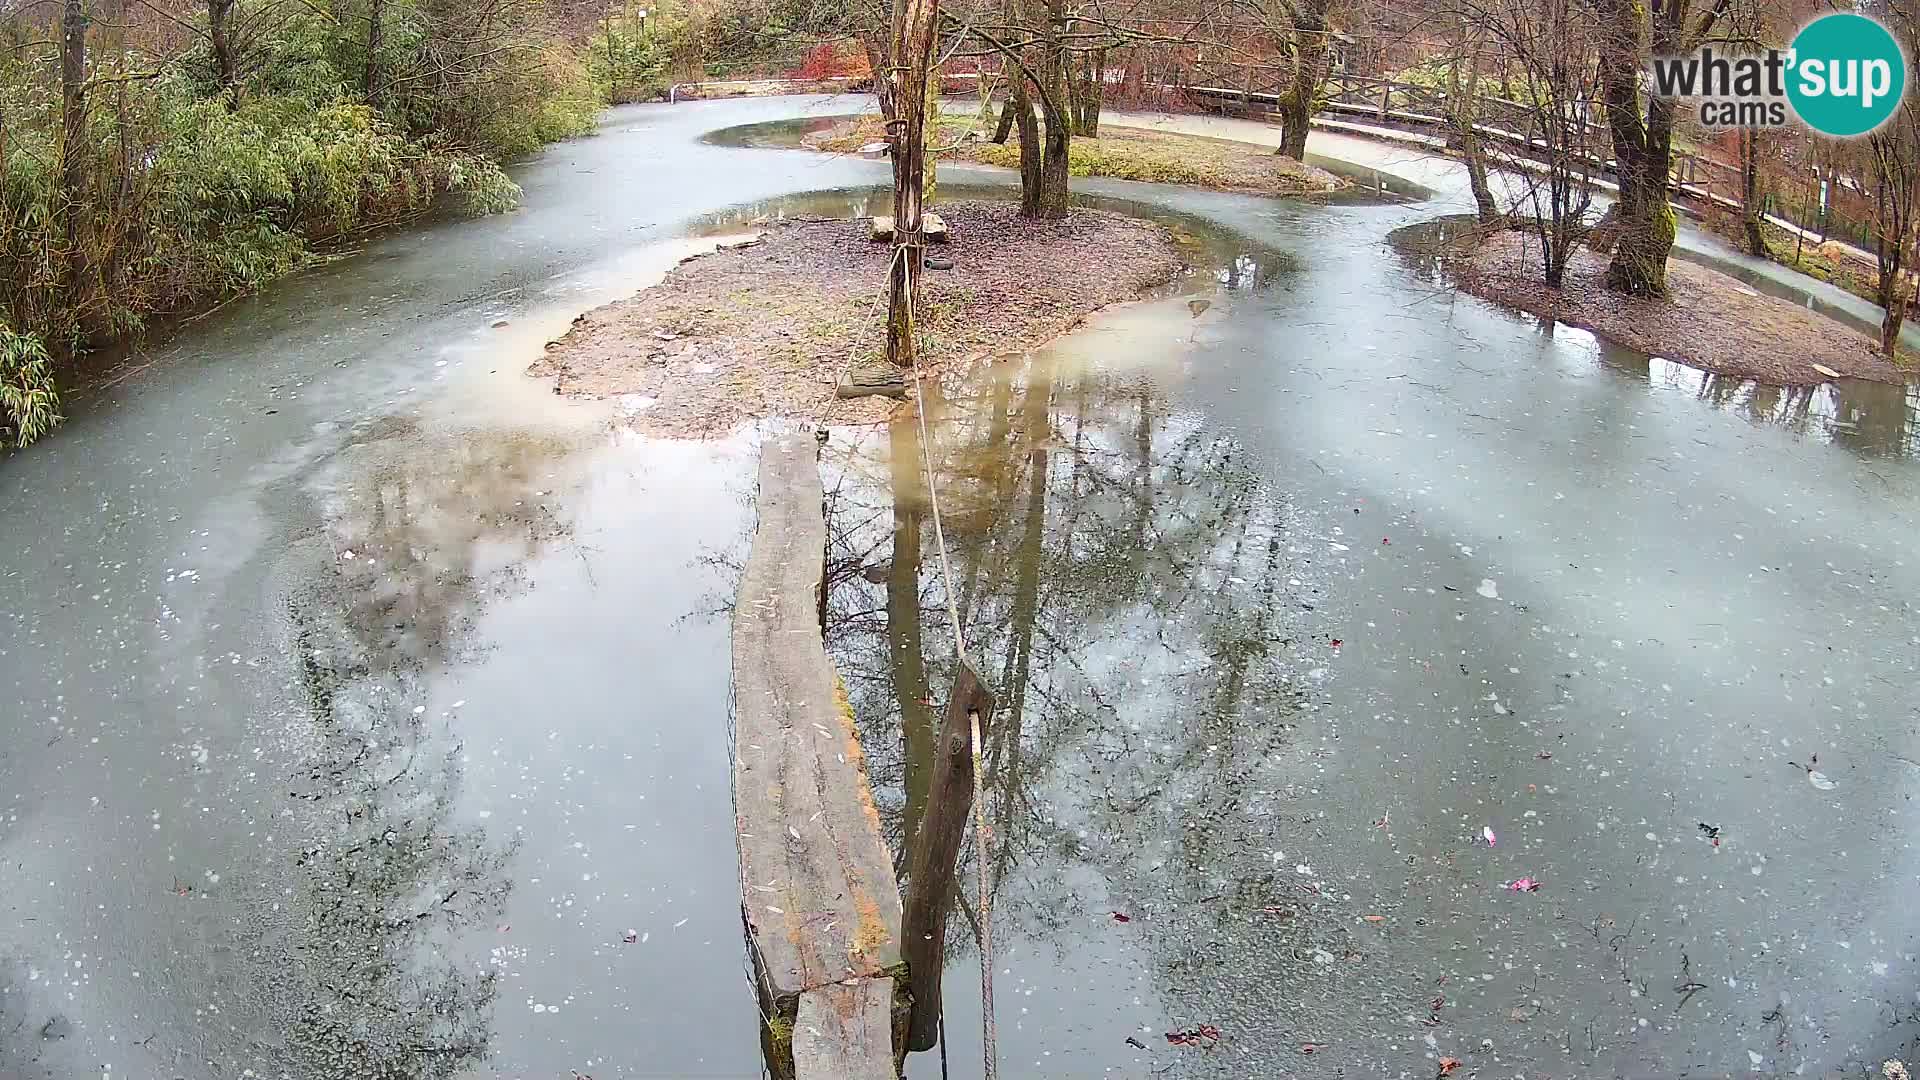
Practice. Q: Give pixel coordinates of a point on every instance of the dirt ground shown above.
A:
(1711, 320)
(768, 329)
(1160, 157)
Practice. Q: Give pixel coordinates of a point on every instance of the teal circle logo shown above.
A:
(1847, 75)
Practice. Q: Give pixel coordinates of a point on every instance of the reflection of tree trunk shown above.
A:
(1143, 472)
(1026, 589)
(903, 620)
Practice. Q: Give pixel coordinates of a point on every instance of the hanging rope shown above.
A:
(981, 831)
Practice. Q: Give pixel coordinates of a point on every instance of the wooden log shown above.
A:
(935, 857)
(819, 896)
(844, 1031)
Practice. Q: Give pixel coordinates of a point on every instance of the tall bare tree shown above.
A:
(1642, 225)
(1549, 47)
(914, 22)
(1895, 153)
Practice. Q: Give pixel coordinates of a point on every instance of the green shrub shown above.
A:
(29, 402)
(627, 62)
(187, 193)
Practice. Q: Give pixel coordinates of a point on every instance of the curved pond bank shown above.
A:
(367, 709)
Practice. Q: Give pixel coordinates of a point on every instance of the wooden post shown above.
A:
(913, 22)
(935, 858)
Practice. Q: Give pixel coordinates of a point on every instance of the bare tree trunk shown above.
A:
(73, 130)
(1030, 151)
(220, 35)
(877, 59)
(1642, 150)
(1311, 56)
(907, 656)
(1091, 86)
(1005, 126)
(1750, 198)
(912, 53)
(1056, 109)
(1465, 116)
(376, 41)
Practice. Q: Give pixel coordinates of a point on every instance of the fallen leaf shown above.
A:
(1336, 643)
(1525, 884)
(1117, 917)
(1195, 1036)
(1825, 370)
(1447, 1065)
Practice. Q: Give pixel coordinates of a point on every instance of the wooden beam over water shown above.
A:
(821, 904)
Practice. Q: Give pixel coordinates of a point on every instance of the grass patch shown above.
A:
(1825, 262)
(1155, 157)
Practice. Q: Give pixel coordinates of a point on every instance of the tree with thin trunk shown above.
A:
(1462, 102)
(1548, 45)
(73, 132)
(376, 44)
(1089, 87)
(1752, 199)
(220, 42)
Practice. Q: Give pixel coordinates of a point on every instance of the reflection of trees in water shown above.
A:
(830, 203)
(1871, 419)
(1119, 575)
(363, 986)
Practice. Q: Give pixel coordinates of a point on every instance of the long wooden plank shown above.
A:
(844, 1032)
(817, 885)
